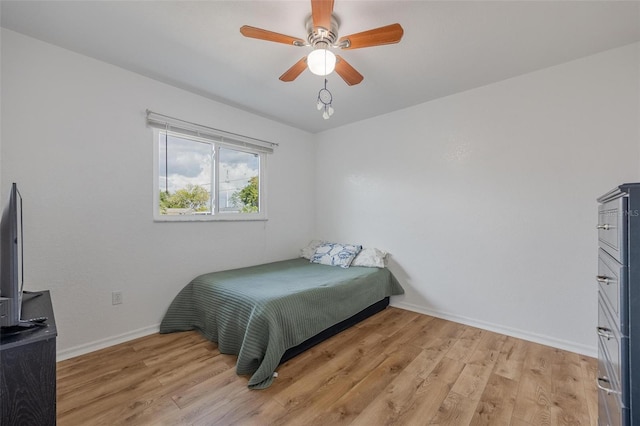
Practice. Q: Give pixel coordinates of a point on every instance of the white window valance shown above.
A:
(165, 122)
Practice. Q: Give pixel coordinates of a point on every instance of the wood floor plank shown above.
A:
(200, 394)
(352, 403)
(89, 362)
(98, 402)
(488, 349)
(292, 370)
(417, 332)
(254, 408)
(195, 370)
(333, 378)
(397, 367)
(389, 321)
(103, 386)
(569, 396)
(589, 367)
(304, 408)
(511, 358)
(466, 344)
(496, 402)
(403, 394)
(443, 335)
(159, 412)
(533, 403)
(480, 363)
(429, 398)
(472, 381)
(212, 399)
(518, 422)
(265, 414)
(455, 410)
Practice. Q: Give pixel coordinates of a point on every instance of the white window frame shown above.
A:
(215, 216)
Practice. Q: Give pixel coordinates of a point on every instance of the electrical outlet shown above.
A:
(116, 298)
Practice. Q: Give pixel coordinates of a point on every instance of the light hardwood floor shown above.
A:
(397, 367)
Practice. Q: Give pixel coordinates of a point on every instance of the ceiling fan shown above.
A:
(322, 33)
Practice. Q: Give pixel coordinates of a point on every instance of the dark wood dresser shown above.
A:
(618, 327)
(28, 368)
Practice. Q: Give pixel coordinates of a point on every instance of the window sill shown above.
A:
(217, 218)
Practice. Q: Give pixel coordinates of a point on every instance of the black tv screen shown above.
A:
(11, 263)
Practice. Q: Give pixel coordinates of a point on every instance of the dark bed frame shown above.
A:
(335, 329)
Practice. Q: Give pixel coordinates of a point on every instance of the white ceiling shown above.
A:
(448, 46)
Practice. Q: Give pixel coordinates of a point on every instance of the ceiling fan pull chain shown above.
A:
(325, 98)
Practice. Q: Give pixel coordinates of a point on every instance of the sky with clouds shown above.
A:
(189, 162)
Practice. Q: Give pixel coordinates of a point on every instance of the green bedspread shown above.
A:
(261, 311)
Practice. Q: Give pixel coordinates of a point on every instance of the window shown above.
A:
(197, 178)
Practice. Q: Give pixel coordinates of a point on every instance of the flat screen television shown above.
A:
(11, 262)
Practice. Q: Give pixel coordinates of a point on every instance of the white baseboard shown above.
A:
(520, 334)
(105, 343)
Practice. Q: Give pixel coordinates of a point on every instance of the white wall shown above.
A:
(75, 140)
(486, 199)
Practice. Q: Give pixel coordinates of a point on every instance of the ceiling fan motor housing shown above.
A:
(322, 38)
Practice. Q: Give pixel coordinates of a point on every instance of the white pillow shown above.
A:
(370, 257)
(335, 254)
(307, 252)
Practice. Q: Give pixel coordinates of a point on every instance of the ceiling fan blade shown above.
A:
(321, 11)
(347, 72)
(261, 34)
(293, 72)
(384, 35)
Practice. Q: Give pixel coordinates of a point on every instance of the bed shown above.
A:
(268, 313)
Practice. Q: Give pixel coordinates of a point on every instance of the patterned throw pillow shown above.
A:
(335, 254)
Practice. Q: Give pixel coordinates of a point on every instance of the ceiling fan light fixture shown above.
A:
(321, 61)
